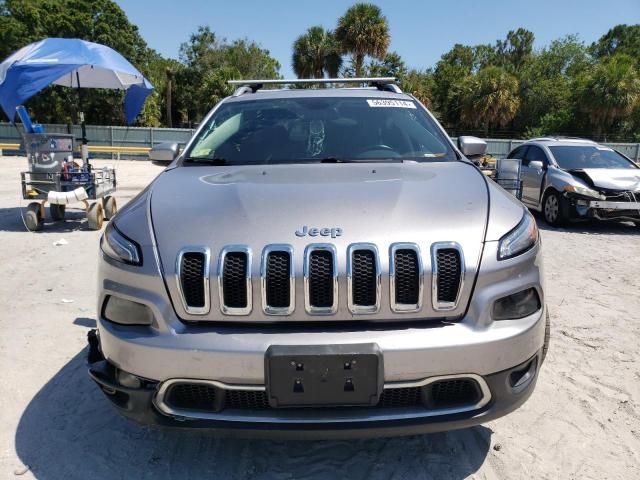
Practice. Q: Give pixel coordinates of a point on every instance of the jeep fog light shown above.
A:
(126, 312)
(517, 305)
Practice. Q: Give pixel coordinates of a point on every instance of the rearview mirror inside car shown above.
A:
(472, 146)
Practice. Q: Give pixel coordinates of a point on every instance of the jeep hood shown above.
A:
(626, 179)
(217, 206)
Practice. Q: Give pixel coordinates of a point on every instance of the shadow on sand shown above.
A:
(11, 220)
(70, 431)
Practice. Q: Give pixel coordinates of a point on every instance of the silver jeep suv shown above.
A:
(320, 263)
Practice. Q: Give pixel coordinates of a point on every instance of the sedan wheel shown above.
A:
(553, 214)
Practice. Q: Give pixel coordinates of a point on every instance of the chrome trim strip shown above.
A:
(267, 309)
(311, 310)
(362, 309)
(205, 284)
(359, 414)
(233, 310)
(437, 305)
(402, 307)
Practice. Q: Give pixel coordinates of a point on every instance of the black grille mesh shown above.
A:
(321, 278)
(277, 279)
(442, 394)
(192, 396)
(407, 276)
(446, 393)
(234, 279)
(363, 272)
(448, 274)
(192, 279)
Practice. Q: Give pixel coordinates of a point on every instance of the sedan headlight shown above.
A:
(584, 191)
(116, 245)
(520, 239)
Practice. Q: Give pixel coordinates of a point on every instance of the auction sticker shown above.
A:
(383, 102)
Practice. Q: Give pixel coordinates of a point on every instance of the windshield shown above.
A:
(591, 156)
(293, 130)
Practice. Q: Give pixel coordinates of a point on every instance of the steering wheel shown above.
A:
(377, 148)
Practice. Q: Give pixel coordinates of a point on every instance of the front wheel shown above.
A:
(552, 209)
(95, 216)
(33, 217)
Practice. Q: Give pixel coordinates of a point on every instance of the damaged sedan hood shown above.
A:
(627, 179)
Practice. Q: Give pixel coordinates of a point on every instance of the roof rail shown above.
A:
(381, 83)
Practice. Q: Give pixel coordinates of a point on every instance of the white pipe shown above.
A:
(63, 198)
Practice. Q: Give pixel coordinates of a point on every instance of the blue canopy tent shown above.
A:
(70, 62)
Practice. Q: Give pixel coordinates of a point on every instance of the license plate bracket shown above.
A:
(324, 375)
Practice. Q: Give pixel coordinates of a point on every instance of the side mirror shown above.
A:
(472, 146)
(536, 165)
(164, 153)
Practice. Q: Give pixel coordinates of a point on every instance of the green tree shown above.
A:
(392, 65)
(490, 99)
(620, 39)
(610, 92)
(316, 53)
(362, 31)
(513, 52)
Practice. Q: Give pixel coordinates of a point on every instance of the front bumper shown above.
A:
(140, 405)
(604, 209)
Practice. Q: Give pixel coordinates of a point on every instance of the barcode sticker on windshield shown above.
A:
(381, 102)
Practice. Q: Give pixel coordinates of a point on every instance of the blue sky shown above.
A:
(421, 31)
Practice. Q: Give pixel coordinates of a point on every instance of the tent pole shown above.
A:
(84, 150)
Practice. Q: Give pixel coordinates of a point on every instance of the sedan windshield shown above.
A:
(328, 129)
(591, 156)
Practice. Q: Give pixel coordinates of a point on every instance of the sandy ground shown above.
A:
(583, 420)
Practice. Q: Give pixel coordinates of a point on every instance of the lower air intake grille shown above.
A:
(192, 279)
(277, 279)
(234, 280)
(364, 277)
(450, 393)
(246, 400)
(407, 277)
(449, 272)
(321, 279)
(192, 396)
(401, 397)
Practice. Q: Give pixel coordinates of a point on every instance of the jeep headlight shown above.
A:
(584, 191)
(520, 239)
(119, 247)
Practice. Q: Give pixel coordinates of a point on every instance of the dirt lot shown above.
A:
(583, 420)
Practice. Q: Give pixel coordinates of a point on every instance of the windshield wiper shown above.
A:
(358, 160)
(217, 161)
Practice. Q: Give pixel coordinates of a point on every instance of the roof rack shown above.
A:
(252, 86)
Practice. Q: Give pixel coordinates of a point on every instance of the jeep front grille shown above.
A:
(363, 278)
(234, 280)
(447, 274)
(321, 279)
(193, 279)
(278, 280)
(406, 277)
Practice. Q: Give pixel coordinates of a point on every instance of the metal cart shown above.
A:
(54, 177)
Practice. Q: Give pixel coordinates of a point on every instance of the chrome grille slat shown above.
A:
(321, 279)
(363, 278)
(234, 280)
(406, 277)
(447, 267)
(277, 276)
(192, 277)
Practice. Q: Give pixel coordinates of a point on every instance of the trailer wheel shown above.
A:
(110, 207)
(57, 212)
(33, 217)
(95, 216)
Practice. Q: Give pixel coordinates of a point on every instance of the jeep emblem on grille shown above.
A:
(323, 232)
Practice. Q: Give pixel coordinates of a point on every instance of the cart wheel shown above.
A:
(57, 212)
(110, 207)
(33, 217)
(95, 216)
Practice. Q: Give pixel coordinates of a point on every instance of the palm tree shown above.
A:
(610, 91)
(316, 53)
(489, 98)
(362, 31)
